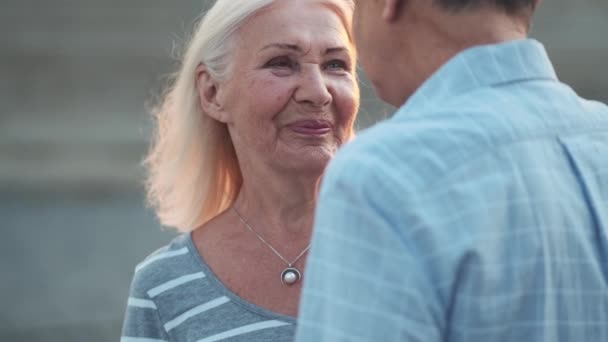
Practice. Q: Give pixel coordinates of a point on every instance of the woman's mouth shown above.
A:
(311, 127)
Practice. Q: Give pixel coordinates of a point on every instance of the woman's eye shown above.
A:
(280, 62)
(337, 64)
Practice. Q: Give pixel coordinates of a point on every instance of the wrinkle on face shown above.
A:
(263, 103)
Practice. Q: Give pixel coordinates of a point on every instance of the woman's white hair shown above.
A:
(193, 172)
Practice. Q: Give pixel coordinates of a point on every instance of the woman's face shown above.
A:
(292, 96)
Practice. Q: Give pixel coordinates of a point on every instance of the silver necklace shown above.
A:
(290, 274)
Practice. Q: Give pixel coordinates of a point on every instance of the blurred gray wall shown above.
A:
(75, 78)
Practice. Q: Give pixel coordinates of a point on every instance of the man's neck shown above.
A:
(434, 39)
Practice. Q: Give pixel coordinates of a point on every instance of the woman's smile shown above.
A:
(311, 127)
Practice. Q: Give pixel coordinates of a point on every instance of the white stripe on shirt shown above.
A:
(244, 330)
(172, 324)
(141, 303)
(139, 339)
(169, 254)
(174, 283)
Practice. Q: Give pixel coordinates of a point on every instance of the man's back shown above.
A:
(490, 221)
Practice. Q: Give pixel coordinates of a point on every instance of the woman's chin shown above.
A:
(311, 161)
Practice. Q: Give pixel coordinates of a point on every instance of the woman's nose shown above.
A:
(313, 89)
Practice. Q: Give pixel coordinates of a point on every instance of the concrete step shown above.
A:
(90, 27)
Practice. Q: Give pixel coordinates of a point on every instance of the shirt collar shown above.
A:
(480, 67)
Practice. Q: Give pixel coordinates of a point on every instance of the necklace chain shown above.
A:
(289, 264)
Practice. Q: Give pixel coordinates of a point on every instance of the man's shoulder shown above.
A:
(425, 143)
(418, 148)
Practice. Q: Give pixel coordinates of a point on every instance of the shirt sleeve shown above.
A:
(142, 322)
(365, 280)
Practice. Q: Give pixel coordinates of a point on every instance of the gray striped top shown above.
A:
(176, 297)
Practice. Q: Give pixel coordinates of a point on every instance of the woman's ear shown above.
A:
(208, 94)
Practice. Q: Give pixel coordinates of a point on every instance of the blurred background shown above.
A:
(76, 78)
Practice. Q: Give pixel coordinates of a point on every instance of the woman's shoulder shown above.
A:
(169, 262)
(174, 284)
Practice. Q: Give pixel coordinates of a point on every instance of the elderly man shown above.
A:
(479, 212)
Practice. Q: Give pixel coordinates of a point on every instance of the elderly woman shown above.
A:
(264, 97)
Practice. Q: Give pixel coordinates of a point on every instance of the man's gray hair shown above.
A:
(510, 6)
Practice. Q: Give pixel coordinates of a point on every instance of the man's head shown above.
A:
(510, 6)
(401, 43)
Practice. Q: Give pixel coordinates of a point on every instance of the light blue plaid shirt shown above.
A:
(479, 212)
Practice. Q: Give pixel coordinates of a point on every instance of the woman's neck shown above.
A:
(281, 205)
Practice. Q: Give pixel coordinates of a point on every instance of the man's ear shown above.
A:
(392, 9)
(208, 93)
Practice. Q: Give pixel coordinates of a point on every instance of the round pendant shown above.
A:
(290, 276)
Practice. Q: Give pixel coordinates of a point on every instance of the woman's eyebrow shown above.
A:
(336, 50)
(297, 48)
(283, 46)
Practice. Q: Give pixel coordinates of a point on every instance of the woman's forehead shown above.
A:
(303, 27)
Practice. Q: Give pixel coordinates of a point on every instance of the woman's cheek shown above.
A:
(347, 110)
(347, 102)
(272, 92)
